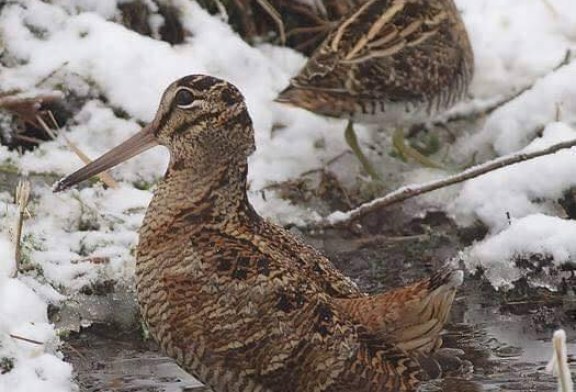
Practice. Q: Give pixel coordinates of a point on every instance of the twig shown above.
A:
(491, 107)
(22, 198)
(28, 139)
(51, 74)
(326, 165)
(246, 19)
(407, 192)
(105, 177)
(269, 8)
(310, 30)
(26, 339)
(26, 108)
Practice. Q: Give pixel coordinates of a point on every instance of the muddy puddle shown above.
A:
(494, 342)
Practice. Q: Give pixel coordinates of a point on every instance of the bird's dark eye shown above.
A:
(184, 98)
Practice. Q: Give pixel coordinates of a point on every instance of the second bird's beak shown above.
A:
(138, 143)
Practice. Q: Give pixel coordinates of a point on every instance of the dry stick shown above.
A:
(308, 30)
(410, 191)
(26, 339)
(22, 198)
(104, 176)
(25, 108)
(246, 20)
(28, 139)
(269, 8)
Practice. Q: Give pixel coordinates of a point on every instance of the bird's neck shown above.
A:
(186, 199)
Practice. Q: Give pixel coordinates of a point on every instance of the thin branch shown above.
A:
(28, 139)
(309, 30)
(26, 340)
(273, 13)
(27, 109)
(407, 192)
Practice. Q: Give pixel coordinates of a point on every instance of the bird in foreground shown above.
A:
(391, 62)
(241, 303)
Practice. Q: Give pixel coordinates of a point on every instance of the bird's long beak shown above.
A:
(138, 143)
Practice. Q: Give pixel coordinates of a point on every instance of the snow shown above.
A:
(36, 365)
(520, 190)
(79, 45)
(534, 234)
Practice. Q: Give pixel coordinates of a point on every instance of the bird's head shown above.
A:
(203, 121)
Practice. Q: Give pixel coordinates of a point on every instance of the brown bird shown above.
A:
(391, 62)
(239, 302)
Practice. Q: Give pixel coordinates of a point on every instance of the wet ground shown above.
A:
(495, 341)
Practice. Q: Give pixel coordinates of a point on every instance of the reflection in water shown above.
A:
(507, 352)
(107, 361)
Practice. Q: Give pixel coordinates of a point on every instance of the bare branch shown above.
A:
(410, 191)
(269, 8)
(28, 109)
(26, 339)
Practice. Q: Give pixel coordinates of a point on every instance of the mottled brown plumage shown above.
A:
(239, 302)
(388, 61)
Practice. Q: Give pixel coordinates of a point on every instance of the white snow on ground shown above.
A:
(28, 366)
(77, 44)
(534, 234)
(520, 190)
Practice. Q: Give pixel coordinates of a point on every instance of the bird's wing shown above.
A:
(283, 342)
(412, 317)
(387, 50)
(377, 29)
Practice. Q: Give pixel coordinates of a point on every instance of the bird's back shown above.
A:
(388, 60)
(245, 307)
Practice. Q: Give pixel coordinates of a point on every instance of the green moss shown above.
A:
(29, 244)
(143, 185)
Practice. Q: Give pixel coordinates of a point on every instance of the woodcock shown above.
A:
(391, 62)
(239, 302)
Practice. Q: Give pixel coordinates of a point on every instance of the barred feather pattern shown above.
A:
(396, 61)
(239, 302)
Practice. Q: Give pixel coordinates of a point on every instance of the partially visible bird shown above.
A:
(391, 62)
(241, 303)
